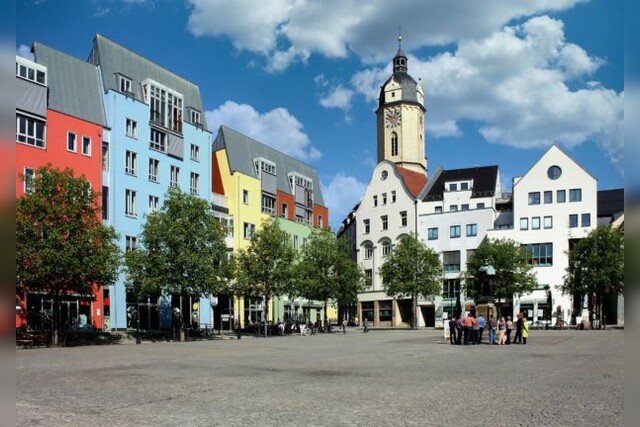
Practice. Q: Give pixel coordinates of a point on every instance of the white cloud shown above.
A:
(341, 193)
(286, 31)
(338, 97)
(277, 128)
(514, 84)
(24, 51)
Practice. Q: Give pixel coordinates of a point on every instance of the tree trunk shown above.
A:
(414, 313)
(182, 335)
(55, 321)
(266, 315)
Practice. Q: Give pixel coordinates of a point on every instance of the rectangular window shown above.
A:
(384, 199)
(524, 223)
(249, 230)
(268, 204)
(154, 170)
(285, 210)
(453, 208)
(130, 203)
(480, 206)
(472, 229)
(464, 185)
(386, 248)
(29, 176)
(548, 222)
(464, 207)
(295, 241)
(393, 196)
(375, 201)
(385, 222)
(368, 252)
(586, 220)
(368, 278)
(367, 226)
(320, 221)
(86, 146)
(105, 156)
(30, 131)
(451, 261)
(105, 203)
(575, 195)
(154, 203)
(540, 254)
(194, 184)
(195, 152)
(165, 106)
(438, 209)
(131, 243)
(535, 223)
(450, 288)
(432, 233)
(403, 219)
(72, 141)
(548, 197)
(125, 84)
(561, 196)
(245, 197)
(158, 141)
(175, 176)
(453, 187)
(131, 128)
(34, 72)
(573, 220)
(534, 198)
(131, 161)
(195, 117)
(454, 231)
(385, 311)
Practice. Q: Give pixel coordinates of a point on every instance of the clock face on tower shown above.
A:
(393, 118)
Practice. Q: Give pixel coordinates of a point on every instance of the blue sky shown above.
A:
(503, 79)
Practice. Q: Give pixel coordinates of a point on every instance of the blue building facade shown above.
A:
(157, 138)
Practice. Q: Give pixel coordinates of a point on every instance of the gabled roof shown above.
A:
(484, 181)
(241, 150)
(414, 181)
(555, 147)
(74, 85)
(116, 59)
(610, 202)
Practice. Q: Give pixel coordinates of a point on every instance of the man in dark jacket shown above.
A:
(518, 338)
(452, 331)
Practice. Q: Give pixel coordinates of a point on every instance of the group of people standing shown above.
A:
(469, 329)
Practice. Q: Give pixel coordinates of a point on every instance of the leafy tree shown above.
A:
(513, 274)
(326, 271)
(182, 250)
(265, 267)
(412, 269)
(62, 247)
(596, 268)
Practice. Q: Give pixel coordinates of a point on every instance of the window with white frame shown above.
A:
(403, 218)
(295, 241)
(194, 183)
(438, 209)
(29, 70)
(154, 170)
(453, 186)
(130, 203)
(175, 176)
(154, 203)
(453, 208)
(131, 128)
(386, 248)
(105, 156)
(367, 226)
(124, 83)
(368, 251)
(548, 222)
(195, 152)
(131, 163)
(131, 243)
(29, 176)
(384, 219)
(195, 117)
(368, 278)
(165, 105)
(86, 146)
(464, 186)
(285, 210)
(30, 131)
(158, 140)
(249, 230)
(72, 142)
(268, 204)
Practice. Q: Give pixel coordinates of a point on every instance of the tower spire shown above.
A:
(400, 60)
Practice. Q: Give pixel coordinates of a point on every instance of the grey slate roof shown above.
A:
(74, 85)
(116, 59)
(484, 181)
(241, 150)
(408, 85)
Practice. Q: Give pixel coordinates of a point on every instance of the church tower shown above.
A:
(401, 118)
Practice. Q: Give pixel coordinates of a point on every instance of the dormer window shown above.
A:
(264, 165)
(165, 105)
(125, 85)
(31, 71)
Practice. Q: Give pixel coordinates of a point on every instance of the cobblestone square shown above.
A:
(397, 378)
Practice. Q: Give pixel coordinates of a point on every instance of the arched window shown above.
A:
(368, 251)
(394, 144)
(386, 248)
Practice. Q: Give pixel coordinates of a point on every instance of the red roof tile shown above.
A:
(414, 181)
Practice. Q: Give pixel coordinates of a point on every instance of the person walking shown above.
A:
(518, 338)
(492, 331)
(459, 329)
(467, 324)
(475, 330)
(365, 324)
(502, 331)
(344, 326)
(452, 331)
(481, 324)
(525, 329)
(509, 329)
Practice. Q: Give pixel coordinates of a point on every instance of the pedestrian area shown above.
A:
(413, 378)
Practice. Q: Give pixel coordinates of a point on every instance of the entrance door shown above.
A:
(428, 315)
